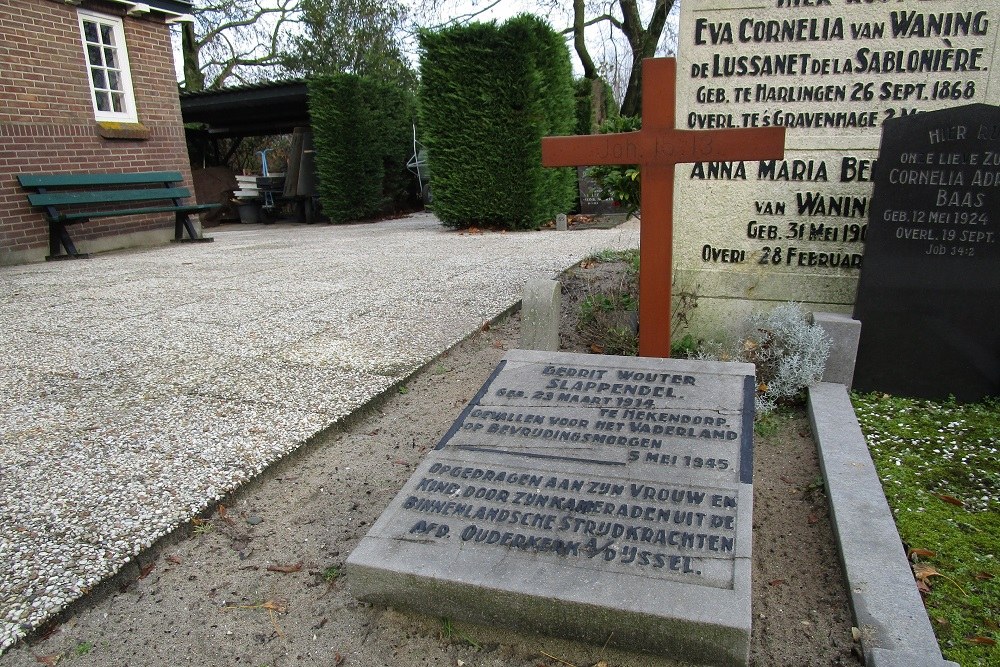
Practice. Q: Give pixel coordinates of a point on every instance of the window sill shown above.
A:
(113, 130)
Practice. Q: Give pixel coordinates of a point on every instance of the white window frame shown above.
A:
(128, 114)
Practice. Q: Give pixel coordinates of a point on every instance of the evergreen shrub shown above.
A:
(488, 95)
(591, 112)
(362, 133)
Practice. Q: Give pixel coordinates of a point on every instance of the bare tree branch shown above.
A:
(235, 39)
(465, 18)
(642, 41)
(580, 40)
(594, 21)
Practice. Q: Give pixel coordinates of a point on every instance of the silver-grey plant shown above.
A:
(788, 351)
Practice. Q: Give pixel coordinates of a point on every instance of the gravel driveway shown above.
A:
(138, 387)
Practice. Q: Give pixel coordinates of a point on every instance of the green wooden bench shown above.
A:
(70, 199)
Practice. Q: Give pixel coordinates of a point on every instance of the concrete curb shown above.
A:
(895, 630)
(844, 333)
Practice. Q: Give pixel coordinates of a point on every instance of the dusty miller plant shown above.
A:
(788, 351)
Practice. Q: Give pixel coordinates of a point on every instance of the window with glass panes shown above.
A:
(107, 67)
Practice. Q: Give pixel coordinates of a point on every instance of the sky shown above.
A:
(604, 43)
(599, 37)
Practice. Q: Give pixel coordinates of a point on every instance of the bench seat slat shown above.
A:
(86, 215)
(105, 196)
(69, 180)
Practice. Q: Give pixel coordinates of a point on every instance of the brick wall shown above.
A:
(47, 121)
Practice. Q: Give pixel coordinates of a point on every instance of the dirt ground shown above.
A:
(260, 582)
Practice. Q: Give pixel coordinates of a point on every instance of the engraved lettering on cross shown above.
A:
(656, 148)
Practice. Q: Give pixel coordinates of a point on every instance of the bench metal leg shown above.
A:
(58, 239)
(182, 222)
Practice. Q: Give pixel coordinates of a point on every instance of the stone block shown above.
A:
(887, 607)
(752, 233)
(540, 315)
(882, 658)
(600, 498)
(561, 223)
(928, 293)
(845, 332)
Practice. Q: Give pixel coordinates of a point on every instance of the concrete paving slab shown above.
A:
(138, 387)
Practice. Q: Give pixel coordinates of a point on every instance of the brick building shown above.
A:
(87, 85)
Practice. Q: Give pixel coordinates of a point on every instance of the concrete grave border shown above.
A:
(895, 630)
(540, 315)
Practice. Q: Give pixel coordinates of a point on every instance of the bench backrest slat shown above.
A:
(70, 180)
(69, 198)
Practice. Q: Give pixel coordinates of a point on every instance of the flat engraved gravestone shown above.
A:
(930, 279)
(586, 496)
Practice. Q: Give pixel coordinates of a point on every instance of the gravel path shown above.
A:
(261, 581)
(138, 387)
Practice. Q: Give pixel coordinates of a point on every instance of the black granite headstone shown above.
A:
(929, 290)
(590, 196)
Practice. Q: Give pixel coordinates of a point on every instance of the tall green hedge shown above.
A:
(488, 95)
(591, 112)
(362, 133)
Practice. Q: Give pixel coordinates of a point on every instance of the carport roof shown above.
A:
(247, 111)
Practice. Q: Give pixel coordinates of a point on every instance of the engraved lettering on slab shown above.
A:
(835, 74)
(569, 475)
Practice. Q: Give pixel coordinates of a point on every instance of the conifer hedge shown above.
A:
(488, 95)
(362, 130)
(591, 112)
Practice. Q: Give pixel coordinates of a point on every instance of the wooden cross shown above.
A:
(656, 148)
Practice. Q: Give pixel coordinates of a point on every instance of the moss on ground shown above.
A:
(939, 463)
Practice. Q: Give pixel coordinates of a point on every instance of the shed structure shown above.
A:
(249, 111)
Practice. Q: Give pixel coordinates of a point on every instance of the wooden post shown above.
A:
(656, 148)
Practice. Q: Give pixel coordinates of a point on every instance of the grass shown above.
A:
(201, 526)
(608, 317)
(939, 463)
(767, 424)
(450, 633)
(608, 313)
(631, 257)
(606, 303)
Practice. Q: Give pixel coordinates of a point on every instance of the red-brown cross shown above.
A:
(657, 148)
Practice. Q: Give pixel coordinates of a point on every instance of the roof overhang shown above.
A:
(173, 10)
(268, 109)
